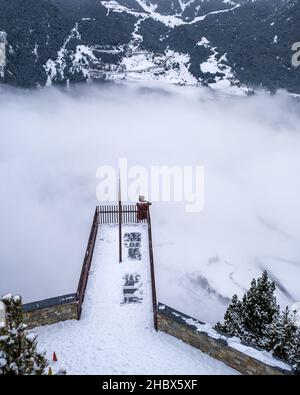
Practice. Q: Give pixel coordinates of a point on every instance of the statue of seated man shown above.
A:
(142, 208)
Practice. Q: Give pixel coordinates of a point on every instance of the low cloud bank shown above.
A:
(52, 142)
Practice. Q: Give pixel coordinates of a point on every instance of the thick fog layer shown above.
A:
(52, 142)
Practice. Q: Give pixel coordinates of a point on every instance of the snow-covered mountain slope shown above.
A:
(235, 45)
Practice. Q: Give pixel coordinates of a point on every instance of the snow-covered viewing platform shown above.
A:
(115, 334)
(115, 314)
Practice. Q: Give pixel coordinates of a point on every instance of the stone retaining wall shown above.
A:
(206, 339)
(51, 311)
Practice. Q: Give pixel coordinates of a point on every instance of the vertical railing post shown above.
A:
(120, 221)
(120, 232)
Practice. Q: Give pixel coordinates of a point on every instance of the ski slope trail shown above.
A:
(115, 334)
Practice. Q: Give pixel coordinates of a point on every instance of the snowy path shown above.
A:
(113, 337)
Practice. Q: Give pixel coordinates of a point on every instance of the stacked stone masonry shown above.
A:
(51, 315)
(170, 321)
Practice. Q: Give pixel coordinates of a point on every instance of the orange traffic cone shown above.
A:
(54, 357)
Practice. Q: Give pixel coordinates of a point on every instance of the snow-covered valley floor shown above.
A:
(117, 338)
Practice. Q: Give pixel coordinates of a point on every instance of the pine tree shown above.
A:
(251, 318)
(283, 332)
(294, 355)
(259, 311)
(18, 348)
(232, 325)
(257, 320)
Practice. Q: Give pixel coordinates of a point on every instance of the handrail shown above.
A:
(87, 262)
(153, 286)
(109, 214)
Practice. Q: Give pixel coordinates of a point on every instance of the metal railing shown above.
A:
(110, 214)
(87, 262)
(152, 272)
(102, 215)
(77, 297)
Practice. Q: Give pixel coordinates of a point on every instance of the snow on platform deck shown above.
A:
(113, 337)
